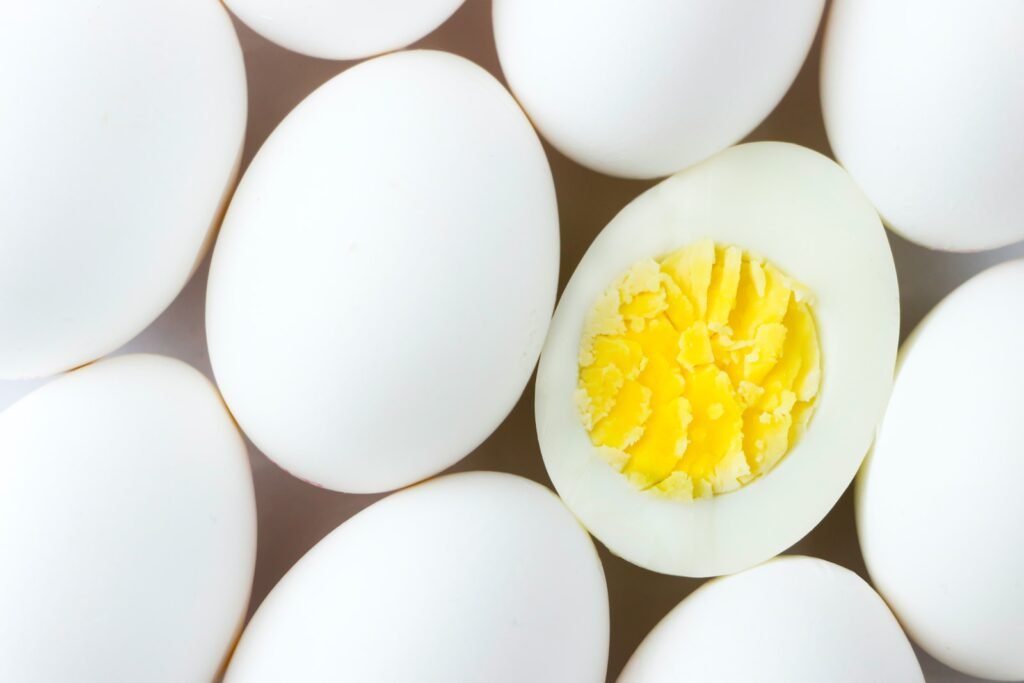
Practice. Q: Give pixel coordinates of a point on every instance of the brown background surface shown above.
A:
(293, 515)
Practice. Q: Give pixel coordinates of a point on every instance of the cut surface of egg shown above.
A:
(469, 577)
(646, 88)
(944, 552)
(698, 370)
(343, 29)
(386, 273)
(790, 620)
(719, 361)
(923, 104)
(120, 135)
(127, 527)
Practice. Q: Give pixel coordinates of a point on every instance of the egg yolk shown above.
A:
(698, 371)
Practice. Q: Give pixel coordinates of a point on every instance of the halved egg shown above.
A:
(719, 361)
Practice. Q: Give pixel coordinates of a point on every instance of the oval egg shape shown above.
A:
(343, 29)
(469, 577)
(791, 620)
(940, 552)
(923, 104)
(647, 88)
(385, 275)
(795, 210)
(116, 157)
(127, 527)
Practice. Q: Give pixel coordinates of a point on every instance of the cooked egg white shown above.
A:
(719, 360)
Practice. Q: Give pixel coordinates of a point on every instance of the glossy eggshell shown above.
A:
(923, 104)
(127, 527)
(470, 577)
(343, 29)
(646, 88)
(938, 500)
(385, 275)
(121, 129)
(790, 620)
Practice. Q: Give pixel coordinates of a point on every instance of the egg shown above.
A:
(646, 88)
(944, 554)
(923, 104)
(343, 29)
(121, 134)
(127, 527)
(791, 620)
(469, 577)
(719, 361)
(385, 275)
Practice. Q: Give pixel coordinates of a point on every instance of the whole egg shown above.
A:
(790, 620)
(121, 130)
(943, 554)
(127, 527)
(385, 275)
(469, 577)
(646, 88)
(343, 29)
(923, 104)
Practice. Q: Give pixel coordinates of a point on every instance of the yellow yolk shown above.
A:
(698, 371)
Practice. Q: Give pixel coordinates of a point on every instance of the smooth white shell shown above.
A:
(470, 577)
(127, 527)
(343, 29)
(924, 104)
(791, 620)
(800, 211)
(121, 128)
(938, 501)
(646, 88)
(385, 275)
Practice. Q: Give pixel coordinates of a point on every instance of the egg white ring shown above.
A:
(800, 211)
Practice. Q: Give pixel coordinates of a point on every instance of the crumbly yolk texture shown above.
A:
(698, 371)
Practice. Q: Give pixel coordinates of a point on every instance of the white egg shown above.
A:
(940, 542)
(801, 212)
(923, 103)
(470, 577)
(646, 88)
(343, 29)
(791, 620)
(120, 136)
(385, 275)
(127, 527)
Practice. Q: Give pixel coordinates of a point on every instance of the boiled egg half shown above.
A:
(719, 360)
